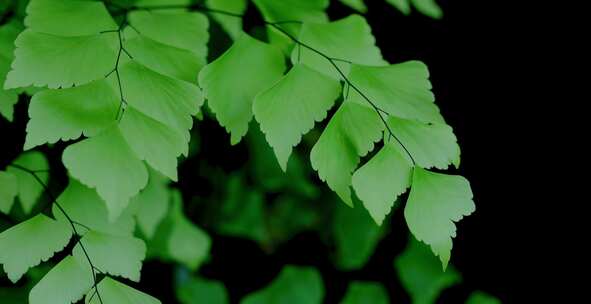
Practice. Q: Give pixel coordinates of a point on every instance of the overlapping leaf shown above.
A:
(84, 206)
(294, 285)
(106, 162)
(381, 180)
(29, 188)
(8, 98)
(329, 38)
(421, 275)
(290, 108)
(230, 91)
(116, 292)
(67, 282)
(179, 240)
(115, 255)
(350, 134)
(31, 242)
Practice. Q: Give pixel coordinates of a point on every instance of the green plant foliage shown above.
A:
(350, 134)
(431, 145)
(359, 47)
(357, 5)
(294, 285)
(8, 98)
(115, 255)
(480, 297)
(119, 82)
(86, 207)
(232, 25)
(435, 202)
(381, 180)
(86, 109)
(284, 116)
(107, 163)
(421, 275)
(365, 292)
(356, 236)
(427, 7)
(112, 291)
(29, 189)
(231, 93)
(179, 240)
(401, 89)
(68, 272)
(8, 191)
(151, 205)
(198, 290)
(31, 242)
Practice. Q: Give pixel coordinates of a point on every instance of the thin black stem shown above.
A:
(72, 223)
(121, 50)
(348, 82)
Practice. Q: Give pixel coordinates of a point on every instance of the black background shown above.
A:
(480, 91)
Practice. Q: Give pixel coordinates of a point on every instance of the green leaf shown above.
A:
(84, 206)
(242, 212)
(68, 18)
(29, 188)
(115, 255)
(165, 99)
(231, 24)
(184, 30)
(8, 98)
(435, 202)
(118, 293)
(57, 61)
(289, 216)
(153, 141)
(421, 275)
(67, 282)
(107, 163)
(162, 58)
(231, 91)
(8, 33)
(198, 290)
(402, 5)
(480, 297)
(290, 108)
(8, 191)
(348, 39)
(179, 240)
(290, 10)
(293, 285)
(30, 242)
(350, 134)
(356, 236)
(67, 114)
(151, 205)
(431, 145)
(357, 5)
(380, 181)
(365, 292)
(429, 8)
(269, 174)
(402, 90)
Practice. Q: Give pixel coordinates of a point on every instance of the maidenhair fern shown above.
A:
(119, 82)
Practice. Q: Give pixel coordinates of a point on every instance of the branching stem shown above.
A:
(277, 25)
(72, 223)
